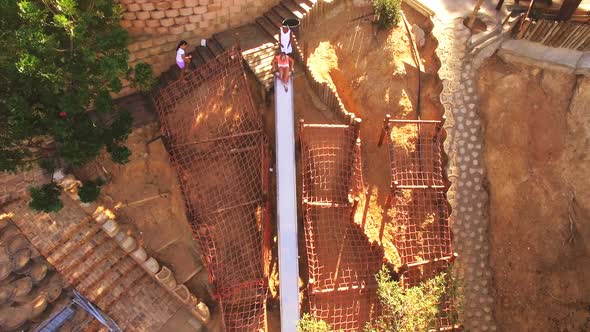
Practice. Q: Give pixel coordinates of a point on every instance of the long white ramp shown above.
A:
(286, 206)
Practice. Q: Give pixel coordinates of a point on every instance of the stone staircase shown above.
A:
(201, 55)
(256, 40)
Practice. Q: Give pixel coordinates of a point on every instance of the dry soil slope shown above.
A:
(537, 132)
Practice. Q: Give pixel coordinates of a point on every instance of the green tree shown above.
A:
(119, 154)
(388, 12)
(45, 198)
(90, 190)
(407, 310)
(60, 60)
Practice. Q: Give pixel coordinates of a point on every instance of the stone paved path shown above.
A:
(464, 145)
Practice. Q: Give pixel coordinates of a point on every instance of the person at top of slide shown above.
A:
(285, 40)
(284, 65)
(182, 60)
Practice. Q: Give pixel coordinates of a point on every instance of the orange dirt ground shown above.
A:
(537, 161)
(375, 75)
(152, 204)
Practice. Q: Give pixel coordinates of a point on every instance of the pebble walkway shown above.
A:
(464, 146)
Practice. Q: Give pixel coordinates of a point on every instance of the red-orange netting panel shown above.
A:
(342, 263)
(420, 218)
(415, 152)
(328, 163)
(419, 208)
(339, 254)
(243, 307)
(346, 310)
(214, 136)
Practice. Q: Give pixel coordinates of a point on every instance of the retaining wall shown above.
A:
(156, 26)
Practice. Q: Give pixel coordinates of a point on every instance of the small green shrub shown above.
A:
(143, 79)
(90, 190)
(407, 310)
(388, 12)
(45, 198)
(119, 153)
(309, 324)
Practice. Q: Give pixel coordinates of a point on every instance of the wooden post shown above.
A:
(389, 198)
(474, 14)
(392, 190)
(355, 205)
(357, 127)
(301, 123)
(305, 51)
(568, 8)
(526, 15)
(384, 129)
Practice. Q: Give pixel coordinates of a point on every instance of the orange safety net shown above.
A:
(420, 219)
(342, 263)
(419, 208)
(215, 139)
(415, 153)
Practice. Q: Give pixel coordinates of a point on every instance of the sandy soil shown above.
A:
(150, 200)
(537, 162)
(376, 75)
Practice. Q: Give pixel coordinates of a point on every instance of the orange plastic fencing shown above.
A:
(342, 263)
(418, 205)
(214, 135)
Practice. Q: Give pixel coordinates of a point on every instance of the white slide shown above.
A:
(287, 206)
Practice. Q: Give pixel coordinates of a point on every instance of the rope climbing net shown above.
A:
(420, 218)
(415, 152)
(418, 206)
(342, 263)
(215, 139)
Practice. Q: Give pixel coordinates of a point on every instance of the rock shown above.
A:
(419, 34)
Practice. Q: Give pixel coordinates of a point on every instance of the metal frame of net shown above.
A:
(418, 205)
(342, 263)
(214, 136)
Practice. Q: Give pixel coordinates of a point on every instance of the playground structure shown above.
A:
(341, 262)
(220, 153)
(228, 213)
(224, 172)
(417, 203)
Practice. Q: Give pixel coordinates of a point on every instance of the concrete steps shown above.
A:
(266, 24)
(260, 58)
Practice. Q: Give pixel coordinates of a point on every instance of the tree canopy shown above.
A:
(60, 61)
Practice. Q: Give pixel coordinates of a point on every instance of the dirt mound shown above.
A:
(537, 138)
